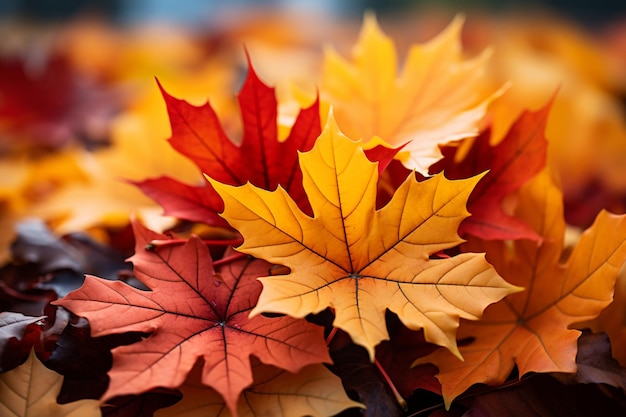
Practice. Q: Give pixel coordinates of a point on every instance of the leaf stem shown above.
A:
(391, 385)
(331, 335)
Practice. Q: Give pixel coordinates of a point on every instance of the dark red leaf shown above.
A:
(595, 363)
(544, 396)
(516, 159)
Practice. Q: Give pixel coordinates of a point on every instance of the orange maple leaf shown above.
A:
(435, 99)
(360, 261)
(531, 329)
(193, 311)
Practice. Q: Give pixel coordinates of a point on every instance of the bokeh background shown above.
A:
(198, 11)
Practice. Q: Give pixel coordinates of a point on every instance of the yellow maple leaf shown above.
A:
(360, 261)
(532, 329)
(435, 99)
(31, 390)
(313, 391)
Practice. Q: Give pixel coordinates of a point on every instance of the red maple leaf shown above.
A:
(516, 159)
(261, 158)
(192, 311)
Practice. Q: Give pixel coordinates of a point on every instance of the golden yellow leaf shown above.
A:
(31, 390)
(313, 391)
(435, 99)
(360, 261)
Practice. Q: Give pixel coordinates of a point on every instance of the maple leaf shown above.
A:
(192, 311)
(260, 158)
(512, 162)
(359, 261)
(31, 390)
(435, 99)
(531, 329)
(313, 391)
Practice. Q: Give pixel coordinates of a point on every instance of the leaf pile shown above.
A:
(397, 246)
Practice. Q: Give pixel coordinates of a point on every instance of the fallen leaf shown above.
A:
(512, 162)
(595, 364)
(260, 158)
(30, 390)
(13, 326)
(612, 320)
(36, 244)
(192, 311)
(84, 360)
(435, 99)
(363, 379)
(397, 355)
(182, 200)
(359, 261)
(543, 396)
(15, 350)
(313, 391)
(532, 329)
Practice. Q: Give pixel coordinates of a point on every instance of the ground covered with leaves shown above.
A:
(423, 224)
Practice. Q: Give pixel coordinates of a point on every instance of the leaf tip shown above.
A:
(251, 71)
(164, 93)
(370, 20)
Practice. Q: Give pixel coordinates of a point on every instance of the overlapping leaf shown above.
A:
(531, 329)
(260, 158)
(192, 312)
(436, 98)
(611, 320)
(313, 391)
(31, 390)
(20, 334)
(14, 325)
(513, 161)
(544, 396)
(595, 363)
(360, 261)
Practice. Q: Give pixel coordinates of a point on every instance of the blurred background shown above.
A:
(198, 11)
(81, 114)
